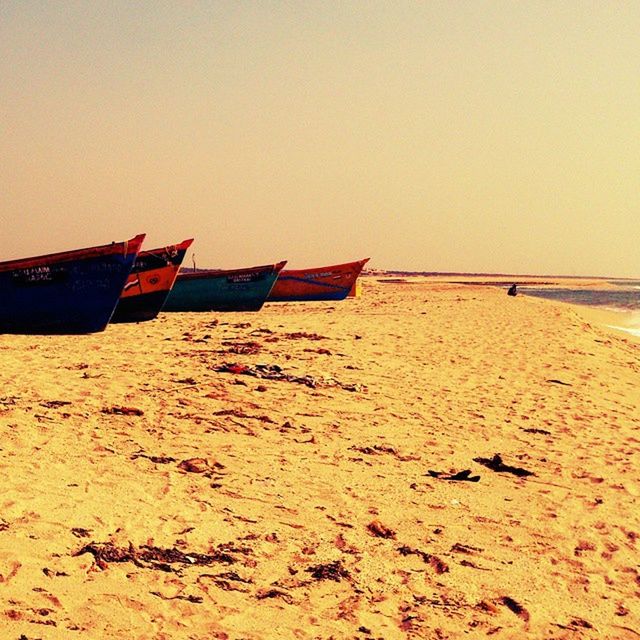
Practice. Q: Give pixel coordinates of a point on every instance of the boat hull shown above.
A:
(152, 277)
(68, 293)
(218, 290)
(317, 284)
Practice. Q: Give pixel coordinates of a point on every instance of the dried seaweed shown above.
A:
(302, 334)
(330, 571)
(440, 566)
(54, 404)
(263, 594)
(379, 530)
(516, 607)
(541, 431)
(150, 557)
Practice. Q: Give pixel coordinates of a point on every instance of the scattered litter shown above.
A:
(123, 411)
(554, 381)
(275, 372)
(496, 464)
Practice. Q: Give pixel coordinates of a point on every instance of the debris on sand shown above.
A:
(460, 476)
(439, 566)
(275, 372)
(379, 530)
(496, 464)
(555, 381)
(123, 411)
(150, 557)
(331, 571)
(516, 607)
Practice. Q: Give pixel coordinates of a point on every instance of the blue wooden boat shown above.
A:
(222, 290)
(69, 292)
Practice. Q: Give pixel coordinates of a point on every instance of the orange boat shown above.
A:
(320, 283)
(149, 283)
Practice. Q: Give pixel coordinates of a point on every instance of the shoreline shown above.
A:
(619, 322)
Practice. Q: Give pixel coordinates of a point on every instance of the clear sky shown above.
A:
(488, 136)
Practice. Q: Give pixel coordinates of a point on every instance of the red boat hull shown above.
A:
(320, 283)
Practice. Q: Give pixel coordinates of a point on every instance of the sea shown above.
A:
(622, 299)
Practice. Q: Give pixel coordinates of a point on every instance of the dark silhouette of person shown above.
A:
(513, 290)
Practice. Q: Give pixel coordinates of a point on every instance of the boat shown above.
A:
(222, 290)
(154, 273)
(68, 292)
(320, 283)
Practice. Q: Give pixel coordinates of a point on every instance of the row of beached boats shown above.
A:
(82, 291)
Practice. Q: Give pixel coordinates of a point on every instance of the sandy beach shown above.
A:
(429, 460)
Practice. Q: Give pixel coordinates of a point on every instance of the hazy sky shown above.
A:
(480, 135)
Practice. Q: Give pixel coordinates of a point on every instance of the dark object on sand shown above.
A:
(496, 464)
(464, 475)
(513, 290)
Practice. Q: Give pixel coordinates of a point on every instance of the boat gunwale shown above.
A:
(334, 267)
(222, 273)
(124, 247)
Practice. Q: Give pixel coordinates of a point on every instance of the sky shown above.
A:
(470, 136)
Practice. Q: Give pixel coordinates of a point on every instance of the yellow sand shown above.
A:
(314, 506)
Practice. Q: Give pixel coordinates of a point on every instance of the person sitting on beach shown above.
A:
(512, 290)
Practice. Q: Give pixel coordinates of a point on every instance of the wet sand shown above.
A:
(430, 460)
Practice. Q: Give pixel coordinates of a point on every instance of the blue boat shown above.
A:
(69, 292)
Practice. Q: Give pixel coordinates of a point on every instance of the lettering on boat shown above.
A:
(241, 278)
(43, 274)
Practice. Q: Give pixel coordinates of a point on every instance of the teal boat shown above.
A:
(222, 290)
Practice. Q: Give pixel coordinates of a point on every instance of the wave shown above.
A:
(631, 330)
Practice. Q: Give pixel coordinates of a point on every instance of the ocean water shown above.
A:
(623, 299)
